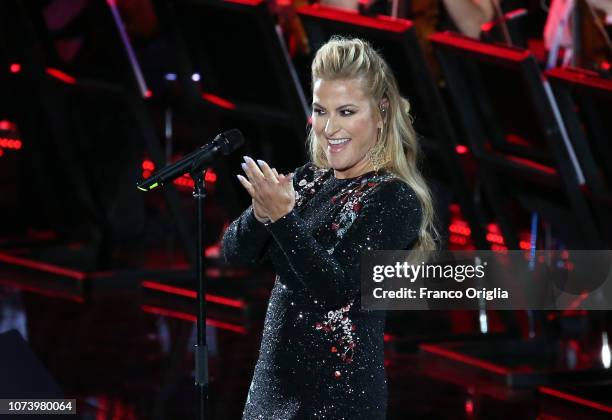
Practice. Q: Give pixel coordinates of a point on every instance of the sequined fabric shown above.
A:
(321, 356)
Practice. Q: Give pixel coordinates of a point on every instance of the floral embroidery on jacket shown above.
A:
(338, 322)
(307, 189)
(352, 198)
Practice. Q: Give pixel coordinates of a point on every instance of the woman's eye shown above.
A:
(317, 111)
(346, 112)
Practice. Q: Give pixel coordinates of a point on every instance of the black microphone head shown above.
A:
(230, 140)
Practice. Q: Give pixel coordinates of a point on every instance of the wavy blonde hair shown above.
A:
(352, 58)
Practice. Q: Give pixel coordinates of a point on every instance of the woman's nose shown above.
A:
(331, 127)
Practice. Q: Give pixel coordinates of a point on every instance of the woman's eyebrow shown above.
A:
(340, 107)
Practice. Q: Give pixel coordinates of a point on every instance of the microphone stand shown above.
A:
(201, 349)
(199, 160)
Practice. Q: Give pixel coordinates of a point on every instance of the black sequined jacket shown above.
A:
(321, 355)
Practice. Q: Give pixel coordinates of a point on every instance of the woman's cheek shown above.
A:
(319, 126)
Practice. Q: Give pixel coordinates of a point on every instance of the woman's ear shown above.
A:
(383, 106)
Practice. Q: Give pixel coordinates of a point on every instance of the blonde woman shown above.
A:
(322, 355)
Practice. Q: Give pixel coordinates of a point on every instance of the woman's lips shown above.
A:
(336, 148)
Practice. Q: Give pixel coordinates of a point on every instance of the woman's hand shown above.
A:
(272, 193)
(259, 212)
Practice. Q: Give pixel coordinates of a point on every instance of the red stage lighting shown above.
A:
(495, 238)
(7, 125)
(575, 399)
(469, 407)
(7, 143)
(219, 101)
(210, 176)
(462, 358)
(148, 165)
(15, 68)
(192, 318)
(173, 290)
(461, 149)
(60, 75)
(457, 240)
(460, 228)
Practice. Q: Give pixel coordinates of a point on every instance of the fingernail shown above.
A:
(243, 165)
(260, 162)
(245, 158)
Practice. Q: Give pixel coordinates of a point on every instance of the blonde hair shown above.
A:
(351, 58)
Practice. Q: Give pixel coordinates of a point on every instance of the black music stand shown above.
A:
(585, 101)
(75, 108)
(244, 78)
(511, 121)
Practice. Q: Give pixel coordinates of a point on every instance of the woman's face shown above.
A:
(345, 124)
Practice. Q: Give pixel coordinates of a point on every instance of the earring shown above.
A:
(377, 155)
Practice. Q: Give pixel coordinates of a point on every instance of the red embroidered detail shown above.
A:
(338, 320)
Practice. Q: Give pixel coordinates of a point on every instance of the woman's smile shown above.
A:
(337, 145)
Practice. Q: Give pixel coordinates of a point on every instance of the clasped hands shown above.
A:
(272, 193)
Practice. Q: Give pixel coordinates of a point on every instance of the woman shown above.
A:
(321, 355)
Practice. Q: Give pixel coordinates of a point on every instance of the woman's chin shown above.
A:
(337, 161)
(337, 166)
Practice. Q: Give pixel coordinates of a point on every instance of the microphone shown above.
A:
(225, 143)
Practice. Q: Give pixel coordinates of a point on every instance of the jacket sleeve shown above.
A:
(246, 240)
(389, 219)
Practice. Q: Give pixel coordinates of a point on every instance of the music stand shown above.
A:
(585, 99)
(246, 76)
(68, 97)
(514, 131)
